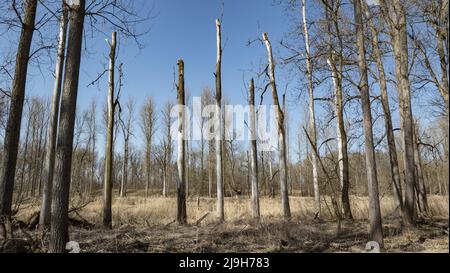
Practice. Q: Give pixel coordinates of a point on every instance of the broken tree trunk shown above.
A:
(219, 136)
(109, 156)
(181, 160)
(254, 153)
(281, 132)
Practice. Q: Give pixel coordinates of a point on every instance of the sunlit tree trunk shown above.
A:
(12, 132)
(109, 156)
(219, 141)
(375, 230)
(254, 153)
(281, 133)
(49, 165)
(181, 160)
(59, 233)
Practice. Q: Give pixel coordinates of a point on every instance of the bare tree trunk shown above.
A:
(124, 182)
(254, 153)
(59, 234)
(281, 133)
(395, 173)
(109, 156)
(12, 132)
(49, 167)
(375, 230)
(181, 181)
(396, 19)
(312, 118)
(219, 141)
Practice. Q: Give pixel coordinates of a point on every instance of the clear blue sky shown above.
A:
(186, 29)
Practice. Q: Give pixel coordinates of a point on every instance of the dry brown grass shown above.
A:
(141, 225)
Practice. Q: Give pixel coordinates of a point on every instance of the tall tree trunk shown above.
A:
(393, 159)
(12, 131)
(396, 19)
(375, 230)
(49, 165)
(59, 234)
(281, 133)
(254, 153)
(109, 156)
(219, 140)
(312, 118)
(181, 160)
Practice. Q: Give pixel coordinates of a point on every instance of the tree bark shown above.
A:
(375, 230)
(49, 167)
(109, 156)
(219, 137)
(12, 132)
(181, 160)
(59, 234)
(395, 16)
(254, 153)
(281, 133)
(312, 118)
(393, 158)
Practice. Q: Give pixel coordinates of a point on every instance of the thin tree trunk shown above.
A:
(219, 141)
(254, 153)
(181, 160)
(49, 165)
(393, 158)
(124, 181)
(109, 156)
(312, 118)
(281, 133)
(59, 234)
(421, 189)
(375, 230)
(12, 131)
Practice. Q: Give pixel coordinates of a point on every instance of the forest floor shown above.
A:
(146, 225)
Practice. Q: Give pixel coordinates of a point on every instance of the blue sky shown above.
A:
(186, 29)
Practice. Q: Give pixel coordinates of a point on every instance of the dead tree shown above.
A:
(254, 153)
(376, 229)
(59, 234)
(219, 135)
(49, 167)
(12, 132)
(127, 130)
(312, 118)
(181, 160)
(109, 156)
(281, 132)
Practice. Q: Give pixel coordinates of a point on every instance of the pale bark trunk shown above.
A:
(59, 234)
(312, 118)
(281, 132)
(109, 156)
(396, 20)
(393, 158)
(181, 160)
(219, 141)
(254, 153)
(44, 220)
(12, 131)
(375, 230)
(341, 139)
